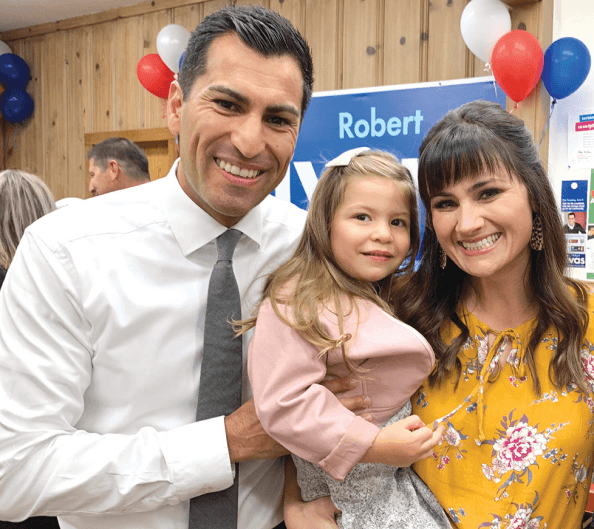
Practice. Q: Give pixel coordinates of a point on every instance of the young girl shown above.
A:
(325, 314)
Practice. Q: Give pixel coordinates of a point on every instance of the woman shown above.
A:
(23, 199)
(512, 333)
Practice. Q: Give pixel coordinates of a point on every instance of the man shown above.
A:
(102, 318)
(572, 226)
(116, 163)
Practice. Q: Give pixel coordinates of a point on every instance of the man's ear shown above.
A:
(174, 108)
(113, 168)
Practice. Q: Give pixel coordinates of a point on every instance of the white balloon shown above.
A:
(482, 24)
(171, 43)
(4, 48)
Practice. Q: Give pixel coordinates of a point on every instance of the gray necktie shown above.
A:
(220, 377)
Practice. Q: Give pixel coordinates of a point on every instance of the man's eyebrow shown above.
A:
(274, 109)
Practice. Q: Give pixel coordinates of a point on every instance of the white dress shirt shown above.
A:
(101, 332)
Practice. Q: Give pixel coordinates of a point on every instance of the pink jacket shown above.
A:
(305, 417)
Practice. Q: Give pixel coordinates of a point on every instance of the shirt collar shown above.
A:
(192, 226)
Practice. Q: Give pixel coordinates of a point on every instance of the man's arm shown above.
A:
(47, 465)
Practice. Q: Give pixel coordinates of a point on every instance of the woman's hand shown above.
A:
(299, 514)
(403, 443)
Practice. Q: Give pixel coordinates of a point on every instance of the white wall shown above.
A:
(572, 18)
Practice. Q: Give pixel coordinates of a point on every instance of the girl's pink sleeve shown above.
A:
(294, 409)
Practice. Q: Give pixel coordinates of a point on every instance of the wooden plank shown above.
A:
(292, 10)
(322, 32)
(129, 91)
(77, 55)
(54, 113)
(97, 18)
(25, 147)
(189, 16)
(158, 158)
(153, 107)
(447, 51)
(210, 6)
(360, 43)
(137, 136)
(402, 44)
(515, 3)
(103, 78)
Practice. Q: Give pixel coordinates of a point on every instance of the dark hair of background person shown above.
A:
(23, 199)
(482, 137)
(259, 29)
(131, 158)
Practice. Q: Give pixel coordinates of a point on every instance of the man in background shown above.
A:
(572, 226)
(116, 163)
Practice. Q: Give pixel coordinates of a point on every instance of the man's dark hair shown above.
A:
(129, 156)
(261, 29)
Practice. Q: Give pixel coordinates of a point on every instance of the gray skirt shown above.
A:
(375, 496)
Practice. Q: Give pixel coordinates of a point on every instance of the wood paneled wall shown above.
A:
(84, 69)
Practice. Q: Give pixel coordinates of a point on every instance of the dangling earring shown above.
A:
(536, 239)
(443, 258)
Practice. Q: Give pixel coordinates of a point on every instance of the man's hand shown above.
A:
(340, 385)
(247, 440)
(317, 514)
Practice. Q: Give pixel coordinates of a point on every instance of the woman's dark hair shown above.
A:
(262, 29)
(475, 138)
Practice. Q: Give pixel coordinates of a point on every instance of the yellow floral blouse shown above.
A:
(510, 459)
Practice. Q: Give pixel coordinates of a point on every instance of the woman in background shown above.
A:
(23, 199)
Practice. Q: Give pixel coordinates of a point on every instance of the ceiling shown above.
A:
(16, 14)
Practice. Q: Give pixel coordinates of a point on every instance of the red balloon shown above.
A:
(154, 75)
(517, 62)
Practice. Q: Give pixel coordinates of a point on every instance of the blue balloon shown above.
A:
(14, 71)
(181, 59)
(16, 105)
(566, 65)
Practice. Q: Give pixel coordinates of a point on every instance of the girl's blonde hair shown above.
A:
(23, 199)
(312, 279)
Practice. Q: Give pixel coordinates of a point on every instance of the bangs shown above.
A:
(457, 153)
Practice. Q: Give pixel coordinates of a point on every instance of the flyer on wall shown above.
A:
(574, 208)
(580, 141)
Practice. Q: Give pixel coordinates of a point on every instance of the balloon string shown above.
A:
(164, 108)
(548, 121)
(512, 110)
(15, 136)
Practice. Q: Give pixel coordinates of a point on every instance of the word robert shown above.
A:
(377, 126)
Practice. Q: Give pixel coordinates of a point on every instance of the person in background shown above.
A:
(512, 332)
(116, 163)
(572, 226)
(24, 198)
(102, 325)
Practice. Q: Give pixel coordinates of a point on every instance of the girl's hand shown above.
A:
(403, 443)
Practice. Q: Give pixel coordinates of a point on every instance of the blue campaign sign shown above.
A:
(390, 118)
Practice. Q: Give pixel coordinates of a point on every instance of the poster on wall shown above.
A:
(580, 141)
(392, 118)
(574, 208)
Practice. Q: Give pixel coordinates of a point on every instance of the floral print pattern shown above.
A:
(509, 458)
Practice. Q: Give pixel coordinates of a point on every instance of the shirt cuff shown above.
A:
(351, 448)
(198, 458)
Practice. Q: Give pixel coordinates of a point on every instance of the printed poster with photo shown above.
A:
(574, 208)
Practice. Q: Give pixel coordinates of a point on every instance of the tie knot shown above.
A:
(226, 243)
